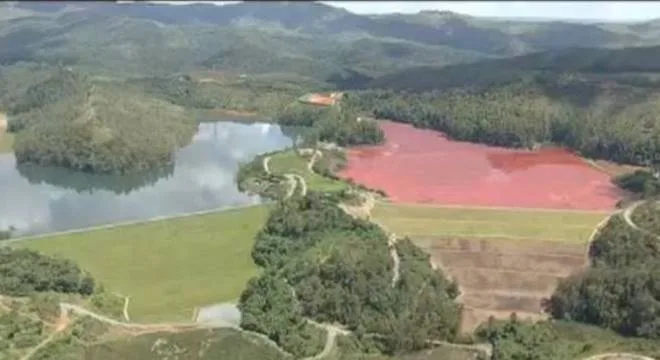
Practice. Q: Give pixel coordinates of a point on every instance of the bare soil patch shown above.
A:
(498, 277)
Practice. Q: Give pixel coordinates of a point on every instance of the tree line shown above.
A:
(24, 272)
(619, 290)
(604, 120)
(334, 124)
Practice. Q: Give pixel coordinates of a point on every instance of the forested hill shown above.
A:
(601, 103)
(632, 64)
(306, 38)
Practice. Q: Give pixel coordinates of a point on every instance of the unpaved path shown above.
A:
(396, 273)
(292, 179)
(302, 182)
(266, 163)
(45, 342)
(363, 210)
(310, 165)
(597, 229)
(618, 356)
(125, 310)
(332, 332)
(62, 323)
(627, 216)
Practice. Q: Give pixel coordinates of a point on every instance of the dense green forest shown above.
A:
(619, 290)
(266, 95)
(599, 119)
(24, 272)
(69, 120)
(322, 264)
(640, 182)
(334, 124)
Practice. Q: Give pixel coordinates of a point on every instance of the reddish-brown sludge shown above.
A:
(423, 166)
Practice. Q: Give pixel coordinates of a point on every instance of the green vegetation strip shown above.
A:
(204, 344)
(168, 267)
(411, 220)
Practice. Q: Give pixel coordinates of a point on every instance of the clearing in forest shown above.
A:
(288, 162)
(505, 260)
(168, 267)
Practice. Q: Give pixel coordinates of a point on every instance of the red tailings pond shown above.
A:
(423, 166)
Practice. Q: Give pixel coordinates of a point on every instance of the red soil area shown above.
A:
(423, 166)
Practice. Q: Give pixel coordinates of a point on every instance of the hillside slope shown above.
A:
(303, 38)
(602, 103)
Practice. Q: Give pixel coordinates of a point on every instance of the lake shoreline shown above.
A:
(44, 200)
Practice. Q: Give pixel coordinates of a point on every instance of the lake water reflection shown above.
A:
(39, 200)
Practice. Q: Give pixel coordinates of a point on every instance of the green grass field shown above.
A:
(290, 162)
(6, 143)
(168, 267)
(418, 220)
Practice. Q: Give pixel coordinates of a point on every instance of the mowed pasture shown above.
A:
(505, 260)
(167, 267)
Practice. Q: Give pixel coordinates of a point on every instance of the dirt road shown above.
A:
(627, 216)
(292, 179)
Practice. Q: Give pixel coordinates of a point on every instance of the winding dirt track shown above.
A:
(627, 216)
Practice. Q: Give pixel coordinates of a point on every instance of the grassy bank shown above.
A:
(168, 267)
(567, 226)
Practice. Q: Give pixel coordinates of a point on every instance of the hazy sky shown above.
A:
(614, 10)
(584, 10)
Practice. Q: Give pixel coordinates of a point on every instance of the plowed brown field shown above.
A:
(498, 276)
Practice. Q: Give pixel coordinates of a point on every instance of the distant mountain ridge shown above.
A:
(635, 64)
(308, 39)
(486, 35)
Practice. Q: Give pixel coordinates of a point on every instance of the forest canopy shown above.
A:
(71, 121)
(338, 269)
